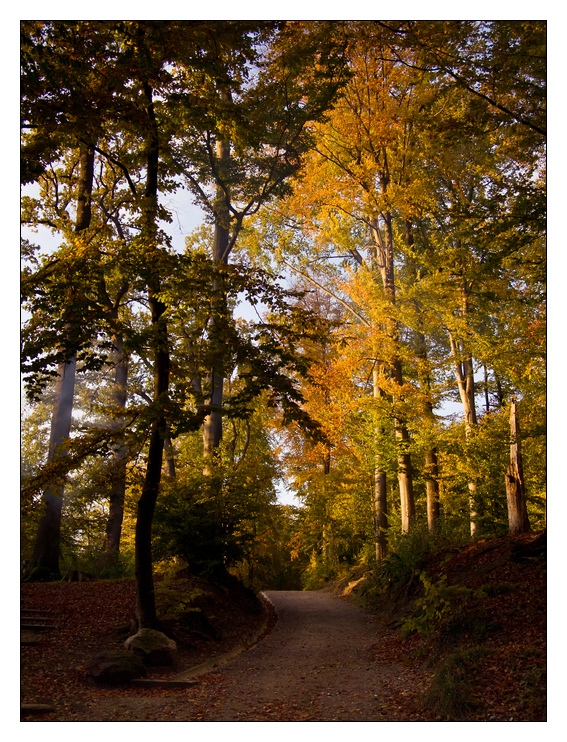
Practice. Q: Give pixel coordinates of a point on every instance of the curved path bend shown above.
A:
(316, 665)
(319, 663)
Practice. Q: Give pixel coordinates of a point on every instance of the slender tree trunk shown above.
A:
(330, 556)
(432, 490)
(45, 556)
(169, 457)
(385, 260)
(117, 493)
(380, 490)
(486, 392)
(431, 472)
(515, 491)
(212, 425)
(405, 478)
(145, 597)
(465, 380)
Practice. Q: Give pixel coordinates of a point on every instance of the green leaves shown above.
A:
(437, 605)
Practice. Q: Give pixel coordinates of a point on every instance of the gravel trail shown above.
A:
(316, 665)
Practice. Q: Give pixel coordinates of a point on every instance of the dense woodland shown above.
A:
(374, 193)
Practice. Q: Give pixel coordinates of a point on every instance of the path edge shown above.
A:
(214, 662)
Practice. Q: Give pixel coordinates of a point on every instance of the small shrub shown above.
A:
(437, 605)
(171, 601)
(317, 575)
(407, 555)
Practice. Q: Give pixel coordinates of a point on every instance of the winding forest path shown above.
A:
(319, 663)
(316, 664)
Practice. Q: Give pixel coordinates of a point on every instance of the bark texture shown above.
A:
(213, 391)
(431, 471)
(117, 493)
(380, 490)
(145, 596)
(464, 370)
(384, 261)
(515, 491)
(432, 490)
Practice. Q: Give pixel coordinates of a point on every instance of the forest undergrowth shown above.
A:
(475, 617)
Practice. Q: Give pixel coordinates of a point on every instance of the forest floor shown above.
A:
(324, 659)
(485, 650)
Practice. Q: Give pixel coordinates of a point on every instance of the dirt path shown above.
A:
(318, 664)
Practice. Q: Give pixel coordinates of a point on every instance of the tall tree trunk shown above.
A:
(212, 425)
(385, 260)
(431, 472)
(145, 597)
(432, 490)
(405, 478)
(45, 557)
(515, 491)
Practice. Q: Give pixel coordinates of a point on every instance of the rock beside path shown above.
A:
(115, 667)
(153, 647)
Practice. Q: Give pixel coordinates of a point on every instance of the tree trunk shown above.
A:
(515, 492)
(145, 597)
(380, 492)
(169, 457)
(212, 425)
(463, 365)
(45, 556)
(385, 263)
(117, 493)
(405, 479)
(431, 472)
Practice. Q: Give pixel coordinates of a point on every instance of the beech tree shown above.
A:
(354, 179)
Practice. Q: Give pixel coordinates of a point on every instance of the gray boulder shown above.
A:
(115, 666)
(153, 647)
